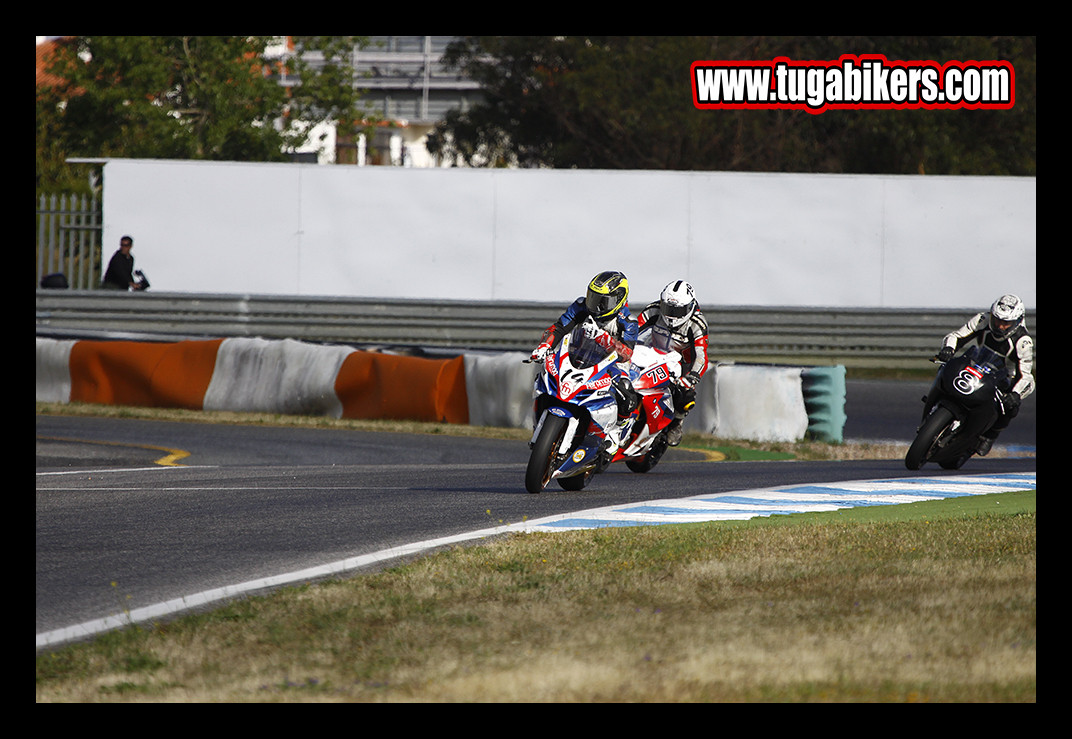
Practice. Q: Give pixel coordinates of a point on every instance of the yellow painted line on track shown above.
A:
(710, 455)
(170, 459)
(688, 454)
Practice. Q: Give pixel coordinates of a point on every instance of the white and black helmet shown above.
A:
(1006, 315)
(677, 303)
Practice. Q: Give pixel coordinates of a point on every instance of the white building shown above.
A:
(406, 84)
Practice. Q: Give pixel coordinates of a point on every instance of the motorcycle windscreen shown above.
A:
(585, 352)
(992, 363)
(662, 340)
(986, 356)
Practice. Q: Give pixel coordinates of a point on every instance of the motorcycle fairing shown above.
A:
(577, 384)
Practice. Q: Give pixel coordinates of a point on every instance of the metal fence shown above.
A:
(850, 337)
(69, 239)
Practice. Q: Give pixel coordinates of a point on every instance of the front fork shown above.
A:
(567, 438)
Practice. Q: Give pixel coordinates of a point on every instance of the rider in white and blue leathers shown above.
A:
(605, 303)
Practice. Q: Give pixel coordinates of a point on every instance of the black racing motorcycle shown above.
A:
(966, 399)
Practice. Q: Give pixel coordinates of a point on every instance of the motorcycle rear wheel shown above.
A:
(544, 451)
(928, 437)
(649, 460)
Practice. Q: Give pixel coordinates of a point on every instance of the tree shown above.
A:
(624, 102)
(190, 97)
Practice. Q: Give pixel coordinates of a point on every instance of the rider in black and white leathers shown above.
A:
(676, 323)
(1002, 330)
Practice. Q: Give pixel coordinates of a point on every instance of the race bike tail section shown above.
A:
(652, 373)
(578, 398)
(964, 402)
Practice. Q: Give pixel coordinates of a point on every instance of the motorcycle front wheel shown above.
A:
(928, 437)
(544, 453)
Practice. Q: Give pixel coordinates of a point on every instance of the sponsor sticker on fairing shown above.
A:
(869, 81)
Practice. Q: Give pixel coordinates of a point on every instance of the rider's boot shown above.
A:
(622, 429)
(673, 432)
(986, 441)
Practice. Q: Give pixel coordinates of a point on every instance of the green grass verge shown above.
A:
(924, 602)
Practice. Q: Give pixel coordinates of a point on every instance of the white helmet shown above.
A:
(1006, 315)
(677, 303)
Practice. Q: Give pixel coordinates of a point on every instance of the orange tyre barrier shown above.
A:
(388, 386)
(142, 374)
(368, 385)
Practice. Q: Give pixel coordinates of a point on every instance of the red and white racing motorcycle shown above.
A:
(578, 433)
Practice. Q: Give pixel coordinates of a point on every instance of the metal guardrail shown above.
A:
(853, 337)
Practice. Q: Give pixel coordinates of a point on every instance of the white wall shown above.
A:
(540, 235)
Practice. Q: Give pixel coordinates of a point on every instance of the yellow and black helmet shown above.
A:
(607, 293)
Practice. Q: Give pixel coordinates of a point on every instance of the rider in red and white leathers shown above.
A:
(1002, 330)
(675, 322)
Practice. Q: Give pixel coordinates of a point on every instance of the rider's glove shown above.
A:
(540, 352)
(597, 334)
(605, 340)
(945, 354)
(1012, 401)
(688, 382)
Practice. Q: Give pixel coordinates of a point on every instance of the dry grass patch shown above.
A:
(823, 609)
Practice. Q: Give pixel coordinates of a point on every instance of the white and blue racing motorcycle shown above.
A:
(578, 431)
